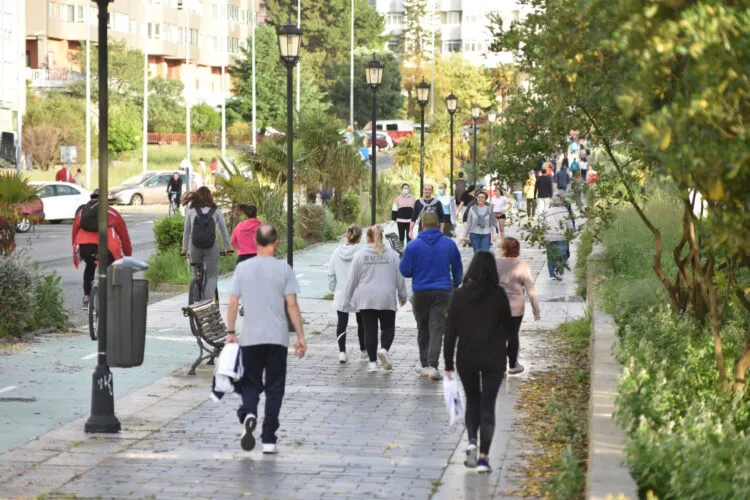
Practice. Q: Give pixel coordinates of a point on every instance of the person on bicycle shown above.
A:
(243, 236)
(86, 240)
(202, 220)
(174, 189)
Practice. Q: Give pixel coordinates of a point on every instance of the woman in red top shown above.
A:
(243, 236)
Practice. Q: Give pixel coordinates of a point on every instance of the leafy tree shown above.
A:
(125, 72)
(166, 106)
(415, 45)
(389, 99)
(53, 120)
(205, 119)
(125, 128)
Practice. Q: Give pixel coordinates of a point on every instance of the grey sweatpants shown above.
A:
(429, 310)
(210, 259)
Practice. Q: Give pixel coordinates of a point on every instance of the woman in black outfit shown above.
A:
(478, 318)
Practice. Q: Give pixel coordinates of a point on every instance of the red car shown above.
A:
(31, 213)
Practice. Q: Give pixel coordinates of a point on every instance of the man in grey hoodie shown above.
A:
(558, 225)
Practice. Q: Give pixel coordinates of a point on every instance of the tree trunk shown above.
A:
(743, 363)
(7, 238)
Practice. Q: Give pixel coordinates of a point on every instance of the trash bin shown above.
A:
(127, 301)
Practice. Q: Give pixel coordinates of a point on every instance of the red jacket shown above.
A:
(118, 239)
(64, 175)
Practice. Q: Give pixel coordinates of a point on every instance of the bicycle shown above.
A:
(197, 288)
(94, 310)
(174, 207)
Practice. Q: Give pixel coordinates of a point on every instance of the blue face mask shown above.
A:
(441, 192)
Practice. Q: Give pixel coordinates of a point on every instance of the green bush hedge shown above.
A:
(311, 220)
(350, 208)
(168, 232)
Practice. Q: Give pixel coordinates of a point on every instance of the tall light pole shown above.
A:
(88, 93)
(451, 103)
(434, 29)
(423, 95)
(351, 71)
(374, 75)
(182, 5)
(224, 61)
(299, 65)
(476, 111)
(491, 118)
(252, 41)
(145, 103)
(20, 81)
(102, 418)
(290, 37)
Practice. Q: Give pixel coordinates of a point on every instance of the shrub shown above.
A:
(125, 131)
(168, 267)
(585, 247)
(168, 232)
(350, 208)
(17, 304)
(311, 220)
(48, 298)
(332, 228)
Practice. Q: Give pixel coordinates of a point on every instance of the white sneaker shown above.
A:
(433, 373)
(342, 357)
(385, 359)
(270, 448)
(516, 370)
(373, 367)
(471, 455)
(420, 370)
(363, 356)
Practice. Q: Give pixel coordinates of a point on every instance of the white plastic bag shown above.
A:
(453, 401)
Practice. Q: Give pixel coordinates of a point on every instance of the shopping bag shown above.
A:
(453, 401)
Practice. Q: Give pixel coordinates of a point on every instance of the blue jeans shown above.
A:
(480, 242)
(557, 256)
(271, 359)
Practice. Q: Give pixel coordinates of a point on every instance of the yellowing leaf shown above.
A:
(716, 192)
(666, 139)
(651, 11)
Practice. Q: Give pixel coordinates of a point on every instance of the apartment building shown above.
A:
(461, 26)
(12, 91)
(205, 33)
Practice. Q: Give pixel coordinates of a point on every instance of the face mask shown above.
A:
(441, 192)
(405, 191)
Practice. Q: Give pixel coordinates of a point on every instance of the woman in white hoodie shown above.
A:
(338, 274)
(377, 287)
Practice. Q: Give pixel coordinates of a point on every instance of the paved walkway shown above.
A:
(345, 432)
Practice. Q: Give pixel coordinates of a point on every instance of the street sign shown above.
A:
(68, 154)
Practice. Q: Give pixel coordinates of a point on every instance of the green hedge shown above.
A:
(168, 232)
(350, 208)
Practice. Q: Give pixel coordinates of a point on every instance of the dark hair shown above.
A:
(480, 193)
(482, 271)
(201, 198)
(266, 235)
(460, 175)
(250, 210)
(353, 234)
(471, 188)
(510, 247)
(404, 185)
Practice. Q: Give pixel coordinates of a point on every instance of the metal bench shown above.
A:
(395, 243)
(209, 330)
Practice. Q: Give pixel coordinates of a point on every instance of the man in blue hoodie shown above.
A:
(434, 264)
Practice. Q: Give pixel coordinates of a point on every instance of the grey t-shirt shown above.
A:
(262, 283)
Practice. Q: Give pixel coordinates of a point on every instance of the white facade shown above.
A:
(462, 25)
(12, 75)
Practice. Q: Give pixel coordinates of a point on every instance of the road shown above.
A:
(50, 246)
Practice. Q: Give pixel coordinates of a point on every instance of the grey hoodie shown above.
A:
(338, 274)
(375, 281)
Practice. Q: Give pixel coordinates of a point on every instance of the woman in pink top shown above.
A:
(515, 277)
(243, 236)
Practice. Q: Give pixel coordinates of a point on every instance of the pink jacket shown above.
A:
(243, 237)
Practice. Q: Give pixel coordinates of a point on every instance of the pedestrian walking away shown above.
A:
(264, 339)
(518, 197)
(529, 192)
(478, 321)
(500, 205)
(515, 278)
(459, 188)
(562, 179)
(339, 268)
(401, 212)
(64, 175)
(86, 240)
(377, 288)
(79, 177)
(433, 262)
(243, 235)
(543, 191)
(481, 226)
(426, 204)
(558, 224)
(202, 220)
(467, 200)
(449, 209)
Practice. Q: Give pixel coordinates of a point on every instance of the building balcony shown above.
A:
(52, 78)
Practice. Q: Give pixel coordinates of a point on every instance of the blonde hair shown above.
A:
(353, 234)
(375, 236)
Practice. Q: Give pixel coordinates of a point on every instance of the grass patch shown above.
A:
(554, 407)
(171, 268)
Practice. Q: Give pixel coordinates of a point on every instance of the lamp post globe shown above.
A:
(451, 104)
(374, 76)
(290, 40)
(423, 95)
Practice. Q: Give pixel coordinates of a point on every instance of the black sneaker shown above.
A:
(247, 441)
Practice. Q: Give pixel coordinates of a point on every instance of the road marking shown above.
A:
(89, 356)
(8, 389)
(174, 339)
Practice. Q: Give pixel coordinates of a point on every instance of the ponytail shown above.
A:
(375, 236)
(353, 234)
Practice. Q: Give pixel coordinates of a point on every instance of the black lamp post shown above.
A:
(290, 37)
(374, 75)
(423, 95)
(492, 118)
(451, 103)
(476, 111)
(102, 418)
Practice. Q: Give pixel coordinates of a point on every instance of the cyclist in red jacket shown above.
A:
(86, 243)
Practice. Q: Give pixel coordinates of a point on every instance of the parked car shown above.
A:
(61, 200)
(31, 213)
(396, 129)
(150, 187)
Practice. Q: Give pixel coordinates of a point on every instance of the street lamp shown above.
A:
(374, 75)
(451, 103)
(290, 37)
(492, 118)
(423, 95)
(102, 418)
(476, 111)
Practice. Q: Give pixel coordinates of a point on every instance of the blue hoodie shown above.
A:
(429, 260)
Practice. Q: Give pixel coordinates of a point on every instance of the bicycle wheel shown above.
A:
(94, 312)
(194, 293)
(216, 295)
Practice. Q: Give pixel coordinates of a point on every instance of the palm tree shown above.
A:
(15, 191)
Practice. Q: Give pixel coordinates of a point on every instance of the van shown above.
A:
(396, 129)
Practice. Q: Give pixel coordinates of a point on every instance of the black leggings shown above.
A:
(244, 257)
(403, 232)
(513, 343)
(387, 319)
(480, 403)
(341, 329)
(89, 253)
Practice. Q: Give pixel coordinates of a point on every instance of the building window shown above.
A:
(234, 12)
(51, 8)
(79, 14)
(452, 46)
(233, 44)
(193, 36)
(215, 11)
(394, 19)
(393, 44)
(452, 17)
(154, 31)
(67, 13)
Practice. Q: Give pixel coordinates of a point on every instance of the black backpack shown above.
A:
(204, 229)
(90, 217)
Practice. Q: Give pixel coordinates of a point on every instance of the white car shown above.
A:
(61, 200)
